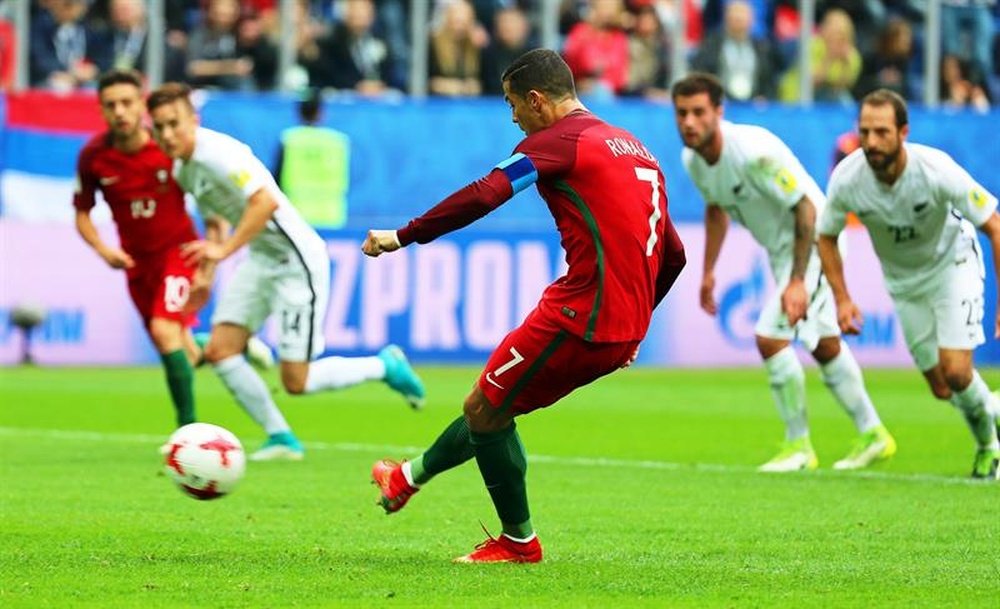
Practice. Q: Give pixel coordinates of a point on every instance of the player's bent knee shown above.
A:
(957, 379)
(827, 349)
(294, 377)
(215, 353)
(482, 416)
(166, 335)
(294, 386)
(768, 347)
(940, 390)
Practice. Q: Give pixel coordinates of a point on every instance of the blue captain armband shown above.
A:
(520, 171)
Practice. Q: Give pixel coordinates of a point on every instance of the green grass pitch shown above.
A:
(642, 488)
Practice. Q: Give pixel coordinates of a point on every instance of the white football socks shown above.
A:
(975, 404)
(842, 376)
(251, 393)
(789, 390)
(340, 372)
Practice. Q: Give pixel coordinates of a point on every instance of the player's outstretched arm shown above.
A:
(204, 277)
(115, 257)
(260, 207)
(848, 315)
(795, 298)
(716, 226)
(991, 228)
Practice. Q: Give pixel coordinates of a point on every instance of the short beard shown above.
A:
(887, 160)
(125, 136)
(705, 143)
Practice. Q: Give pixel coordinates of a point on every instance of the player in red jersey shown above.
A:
(607, 195)
(134, 176)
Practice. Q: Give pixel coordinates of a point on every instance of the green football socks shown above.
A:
(503, 464)
(451, 449)
(180, 380)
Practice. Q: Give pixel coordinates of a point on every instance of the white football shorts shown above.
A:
(821, 316)
(295, 289)
(949, 315)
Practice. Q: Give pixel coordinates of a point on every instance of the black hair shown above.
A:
(119, 77)
(697, 83)
(540, 70)
(886, 97)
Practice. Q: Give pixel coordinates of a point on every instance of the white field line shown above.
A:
(595, 462)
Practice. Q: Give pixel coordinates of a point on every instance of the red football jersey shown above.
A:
(146, 203)
(609, 200)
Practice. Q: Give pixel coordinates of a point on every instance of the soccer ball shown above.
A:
(205, 460)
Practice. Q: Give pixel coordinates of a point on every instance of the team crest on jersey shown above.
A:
(240, 178)
(161, 175)
(978, 197)
(785, 181)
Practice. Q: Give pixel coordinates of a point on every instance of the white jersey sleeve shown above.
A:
(834, 217)
(966, 195)
(228, 157)
(772, 170)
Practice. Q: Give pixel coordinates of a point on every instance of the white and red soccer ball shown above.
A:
(205, 460)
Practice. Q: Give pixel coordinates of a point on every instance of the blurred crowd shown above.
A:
(614, 47)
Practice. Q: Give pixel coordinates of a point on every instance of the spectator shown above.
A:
(836, 62)
(967, 30)
(667, 11)
(889, 66)
(392, 25)
(60, 47)
(868, 18)
(596, 50)
(649, 55)
(713, 15)
(963, 85)
(354, 56)
(746, 66)
(511, 39)
(455, 49)
(310, 69)
(214, 57)
(253, 43)
(8, 54)
(122, 44)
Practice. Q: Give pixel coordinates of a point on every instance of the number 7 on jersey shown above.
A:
(645, 174)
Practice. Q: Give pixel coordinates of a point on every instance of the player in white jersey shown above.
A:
(287, 272)
(748, 174)
(920, 209)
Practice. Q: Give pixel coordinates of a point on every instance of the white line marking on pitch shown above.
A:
(95, 436)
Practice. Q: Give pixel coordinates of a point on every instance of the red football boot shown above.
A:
(504, 549)
(396, 491)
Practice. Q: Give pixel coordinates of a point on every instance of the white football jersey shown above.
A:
(919, 225)
(222, 174)
(757, 181)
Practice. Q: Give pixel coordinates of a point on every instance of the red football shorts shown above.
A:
(160, 286)
(538, 363)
